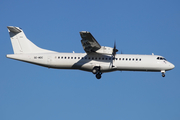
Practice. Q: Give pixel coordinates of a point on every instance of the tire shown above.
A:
(98, 76)
(163, 75)
(94, 70)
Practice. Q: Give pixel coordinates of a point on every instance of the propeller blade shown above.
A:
(114, 49)
(114, 53)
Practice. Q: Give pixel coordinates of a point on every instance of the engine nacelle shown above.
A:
(105, 50)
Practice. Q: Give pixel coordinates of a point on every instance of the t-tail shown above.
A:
(21, 44)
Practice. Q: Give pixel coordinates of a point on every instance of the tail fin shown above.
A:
(21, 44)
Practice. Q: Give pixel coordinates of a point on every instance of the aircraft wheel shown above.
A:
(98, 76)
(163, 75)
(95, 70)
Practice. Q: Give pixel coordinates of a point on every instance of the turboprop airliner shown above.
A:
(96, 59)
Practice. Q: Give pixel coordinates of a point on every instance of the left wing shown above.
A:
(89, 43)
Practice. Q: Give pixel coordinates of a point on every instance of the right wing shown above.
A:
(89, 43)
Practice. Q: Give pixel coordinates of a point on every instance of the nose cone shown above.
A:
(171, 66)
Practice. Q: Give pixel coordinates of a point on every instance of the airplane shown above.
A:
(96, 59)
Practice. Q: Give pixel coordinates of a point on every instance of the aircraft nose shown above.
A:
(172, 66)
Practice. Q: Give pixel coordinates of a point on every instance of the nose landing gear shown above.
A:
(163, 73)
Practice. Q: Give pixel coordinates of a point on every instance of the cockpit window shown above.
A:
(161, 58)
(164, 58)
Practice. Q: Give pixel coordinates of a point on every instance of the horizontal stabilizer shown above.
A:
(14, 29)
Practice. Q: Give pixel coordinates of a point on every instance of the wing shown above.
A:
(89, 43)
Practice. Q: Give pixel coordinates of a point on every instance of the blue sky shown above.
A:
(30, 92)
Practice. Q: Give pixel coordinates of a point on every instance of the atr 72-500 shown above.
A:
(97, 59)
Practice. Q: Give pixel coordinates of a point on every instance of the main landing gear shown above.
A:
(96, 70)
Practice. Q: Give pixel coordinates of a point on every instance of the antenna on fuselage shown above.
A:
(121, 52)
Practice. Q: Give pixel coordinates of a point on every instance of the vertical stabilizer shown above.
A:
(21, 44)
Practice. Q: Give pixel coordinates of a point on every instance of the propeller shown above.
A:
(114, 50)
(114, 53)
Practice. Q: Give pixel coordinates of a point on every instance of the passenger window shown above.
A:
(119, 58)
(130, 59)
(78, 57)
(123, 59)
(61, 57)
(58, 57)
(99, 58)
(133, 59)
(68, 57)
(126, 59)
(139, 59)
(102, 58)
(64, 57)
(106, 58)
(74, 57)
(136, 59)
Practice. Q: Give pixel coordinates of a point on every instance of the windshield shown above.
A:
(161, 58)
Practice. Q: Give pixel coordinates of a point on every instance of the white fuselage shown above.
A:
(97, 59)
(86, 62)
